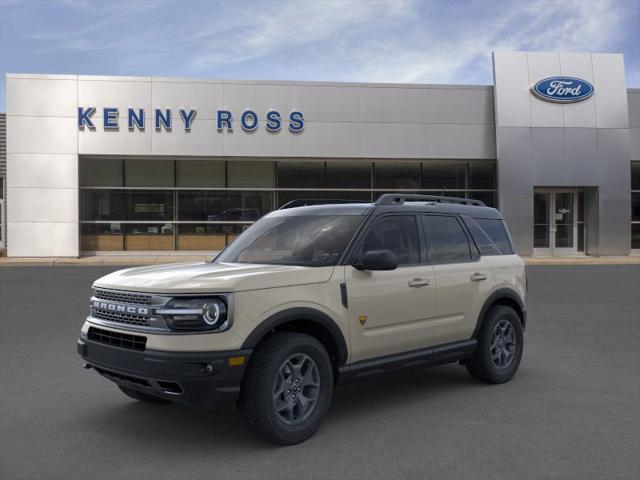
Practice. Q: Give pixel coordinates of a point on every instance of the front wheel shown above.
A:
(500, 345)
(287, 388)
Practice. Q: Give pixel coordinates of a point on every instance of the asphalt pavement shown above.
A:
(572, 411)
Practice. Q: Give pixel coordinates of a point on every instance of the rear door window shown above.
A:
(448, 243)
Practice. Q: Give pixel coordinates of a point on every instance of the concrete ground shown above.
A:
(572, 412)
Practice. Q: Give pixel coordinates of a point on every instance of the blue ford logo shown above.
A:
(562, 89)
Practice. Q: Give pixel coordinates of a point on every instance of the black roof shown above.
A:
(407, 203)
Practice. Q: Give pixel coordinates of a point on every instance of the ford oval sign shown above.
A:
(562, 89)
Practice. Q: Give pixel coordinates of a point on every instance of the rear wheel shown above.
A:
(141, 396)
(500, 345)
(287, 388)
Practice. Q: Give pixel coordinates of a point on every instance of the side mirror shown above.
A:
(377, 260)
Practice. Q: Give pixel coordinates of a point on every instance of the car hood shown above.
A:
(204, 277)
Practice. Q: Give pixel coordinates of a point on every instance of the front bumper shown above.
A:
(205, 380)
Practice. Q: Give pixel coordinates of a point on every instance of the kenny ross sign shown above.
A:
(562, 89)
(162, 119)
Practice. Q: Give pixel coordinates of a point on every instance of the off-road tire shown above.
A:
(482, 366)
(141, 396)
(256, 403)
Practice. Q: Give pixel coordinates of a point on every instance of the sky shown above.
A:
(403, 41)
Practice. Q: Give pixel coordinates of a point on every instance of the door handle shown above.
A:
(419, 282)
(477, 277)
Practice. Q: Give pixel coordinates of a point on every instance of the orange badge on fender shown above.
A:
(362, 319)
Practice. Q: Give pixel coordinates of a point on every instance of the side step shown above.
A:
(425, 357)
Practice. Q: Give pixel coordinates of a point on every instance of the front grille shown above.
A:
(120, 376)
(117, 339)
(121, 317)
(123, 297)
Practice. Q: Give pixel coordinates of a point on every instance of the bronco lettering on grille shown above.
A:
(114, 307)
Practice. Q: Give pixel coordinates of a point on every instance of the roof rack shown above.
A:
(315, 201)
(401, 198)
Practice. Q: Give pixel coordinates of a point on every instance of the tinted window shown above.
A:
(397, 175)
(498, 233)
(398, 234)
(448, 242)
(485, 245)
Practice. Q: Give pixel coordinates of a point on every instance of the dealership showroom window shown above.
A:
(203, 204)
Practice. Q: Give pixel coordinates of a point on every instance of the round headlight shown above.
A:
(195, 313)
(211, 313)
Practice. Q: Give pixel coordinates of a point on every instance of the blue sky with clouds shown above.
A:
(416, 41)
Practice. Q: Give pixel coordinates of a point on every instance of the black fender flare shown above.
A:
(508, 294)
(306, 314)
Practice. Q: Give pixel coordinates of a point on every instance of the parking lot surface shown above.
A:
(572, 411)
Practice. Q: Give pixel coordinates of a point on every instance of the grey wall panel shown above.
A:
(42, 239)
(582, 156)
(634, 143)
(260, 98)
(461, 106)
(115, 93)
(396, 105)
(581, 114)
(328, 140)
(613, 161)
(461, 141)
(329, 103)
(633, 96)
(549, 159)
(544, 114)
(201, 140)
(44, 97)
(515, 170)
(119, 141)
(44, 171)
(385, 140)
(175, 94)
(611, 92)
(26, 134)
(256, 144)
(614, 227)
(511, 75)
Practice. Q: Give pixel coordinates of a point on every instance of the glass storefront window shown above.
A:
(200, 173)
(482, 175)
(397, 175)
(149, 173)
(635, 206)
(150, 205)
(201, 205)
(101, 172)
(250, 174)
(300, 174)
(208, 193)
(354, 174)
(635, 236)
(635, 175)
(247, 206)
(103, 205)
(441, 175)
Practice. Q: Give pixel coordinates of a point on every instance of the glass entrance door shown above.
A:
(555, 222)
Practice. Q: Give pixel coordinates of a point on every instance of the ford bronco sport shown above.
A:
(311, 297)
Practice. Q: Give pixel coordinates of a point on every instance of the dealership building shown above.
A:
(124, 165)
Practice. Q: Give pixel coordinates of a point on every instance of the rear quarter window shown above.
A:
(497, 232)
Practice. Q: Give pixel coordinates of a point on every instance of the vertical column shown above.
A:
(42, 166)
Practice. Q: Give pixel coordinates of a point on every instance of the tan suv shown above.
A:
(311, 297)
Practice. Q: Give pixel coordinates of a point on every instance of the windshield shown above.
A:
(310, 241)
